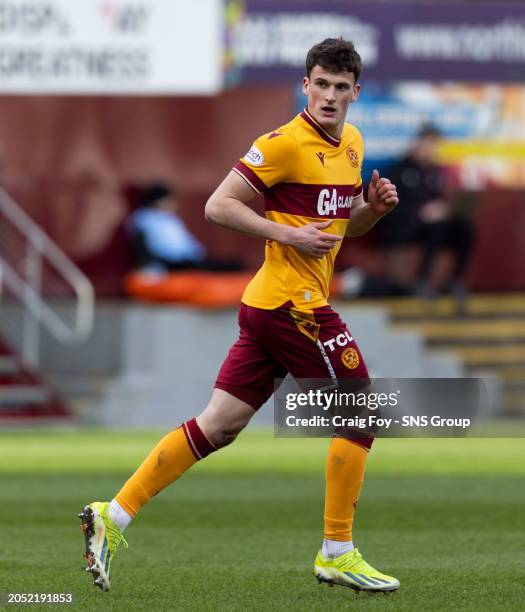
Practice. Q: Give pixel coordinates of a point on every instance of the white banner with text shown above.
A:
(138, 47)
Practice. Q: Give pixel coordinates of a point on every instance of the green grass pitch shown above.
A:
(240, 531)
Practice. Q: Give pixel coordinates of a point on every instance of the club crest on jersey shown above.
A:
(350, 358)
(353, 157)
(254, 156)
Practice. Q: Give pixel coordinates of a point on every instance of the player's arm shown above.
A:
(228, 207)
(382, 198)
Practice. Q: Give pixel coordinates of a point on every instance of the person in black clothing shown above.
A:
(425, 218)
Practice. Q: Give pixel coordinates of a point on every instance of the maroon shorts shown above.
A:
(273, 343)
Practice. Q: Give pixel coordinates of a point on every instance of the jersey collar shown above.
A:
(335, 142)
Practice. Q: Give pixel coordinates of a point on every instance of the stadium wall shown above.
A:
(155, 366)
(72, 163)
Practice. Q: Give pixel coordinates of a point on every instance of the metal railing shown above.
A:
(53, 292)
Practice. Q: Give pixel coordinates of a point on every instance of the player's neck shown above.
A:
(335, 131)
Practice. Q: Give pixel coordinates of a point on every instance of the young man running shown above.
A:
(310, 173)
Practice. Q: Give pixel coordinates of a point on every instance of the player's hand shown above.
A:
(382, 194)
(312, 241)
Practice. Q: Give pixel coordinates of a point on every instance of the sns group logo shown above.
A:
(254, 156)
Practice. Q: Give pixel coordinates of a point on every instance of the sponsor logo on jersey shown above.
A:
(350, 358)
(353, 157)
(339, 340)
(254, 156)
(329, 201)
(320, 157)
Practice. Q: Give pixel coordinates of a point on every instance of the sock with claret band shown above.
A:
(172, 456)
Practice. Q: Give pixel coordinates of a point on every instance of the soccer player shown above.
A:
(310, 173)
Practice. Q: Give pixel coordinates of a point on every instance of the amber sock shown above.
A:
(345, 470)
(173, 455)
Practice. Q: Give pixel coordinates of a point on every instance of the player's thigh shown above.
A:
(245, 381)
(250, 368)
(318, 345)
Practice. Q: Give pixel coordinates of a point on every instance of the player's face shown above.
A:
(329, 95)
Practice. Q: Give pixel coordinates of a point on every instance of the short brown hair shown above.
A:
(334, 55)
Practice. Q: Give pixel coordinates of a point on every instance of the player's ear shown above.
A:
(356, 91)
(306, 84)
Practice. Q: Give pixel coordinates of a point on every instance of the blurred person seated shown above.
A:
(425, 224)
(171, 265)
(160, 240)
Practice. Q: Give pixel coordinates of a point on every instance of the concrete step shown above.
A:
(505, 371)
(487, 334)
(458, 330)
(513, 402)
(22, 395)
(8, 365)
(444, 364)
(511, 305)
(44, 420)
(79, 384)
(516, 385)
(489, 356)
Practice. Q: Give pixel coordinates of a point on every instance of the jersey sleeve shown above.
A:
(269, 161)
(360, 153)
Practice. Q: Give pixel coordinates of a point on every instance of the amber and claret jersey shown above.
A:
(305, 175)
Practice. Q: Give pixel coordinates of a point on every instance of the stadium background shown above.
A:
(79, 133)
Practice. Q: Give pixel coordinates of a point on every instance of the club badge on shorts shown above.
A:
(350, 358)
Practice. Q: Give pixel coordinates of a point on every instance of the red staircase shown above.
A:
(24, 397)
(46, 291)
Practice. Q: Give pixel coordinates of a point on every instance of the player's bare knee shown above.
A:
(224, 438)
(223, 418)
(221, 435)
(221, 430)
